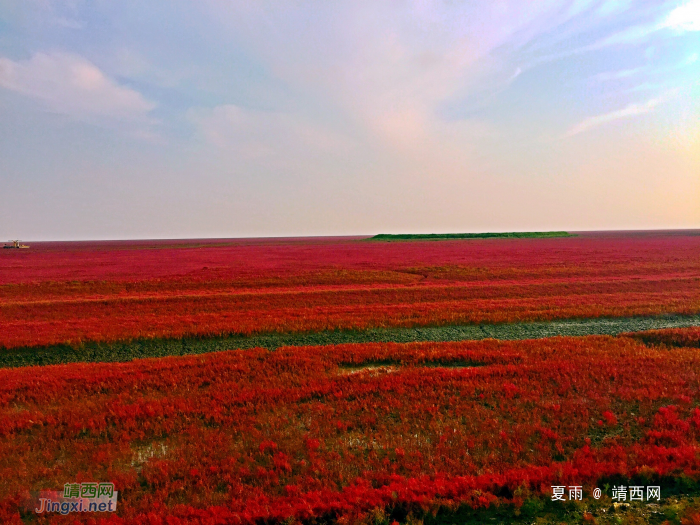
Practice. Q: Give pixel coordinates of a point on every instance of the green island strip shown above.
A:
(447, 236)
(143, 348)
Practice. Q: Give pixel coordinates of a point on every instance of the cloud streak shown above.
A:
(632, 110)
(69, 84)
(273, 138)
(685, 17)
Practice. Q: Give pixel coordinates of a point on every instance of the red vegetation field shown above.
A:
(75, 292)
(239, 436)
(671, 337)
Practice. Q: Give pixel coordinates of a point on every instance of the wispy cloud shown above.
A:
(272, 138)
(610, 7)
(632, 110)
(616, 75)
(631, 35)
(68, 23)
(69, 84)
(391, 73)
(685, 17)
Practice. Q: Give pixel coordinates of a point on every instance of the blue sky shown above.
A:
(123, 119)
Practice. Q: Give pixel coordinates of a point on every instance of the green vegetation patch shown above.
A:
(446, 236)
(128, 350)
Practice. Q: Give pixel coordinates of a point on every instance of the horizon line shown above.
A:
(351, 236)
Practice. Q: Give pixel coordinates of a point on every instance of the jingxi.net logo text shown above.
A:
(79, 497)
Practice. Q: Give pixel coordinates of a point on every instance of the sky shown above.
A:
(216, 118)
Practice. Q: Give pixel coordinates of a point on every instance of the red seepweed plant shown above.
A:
(243, 436)
(77, 292)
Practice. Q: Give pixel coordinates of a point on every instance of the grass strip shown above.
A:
(126, 351)
(442, 236)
